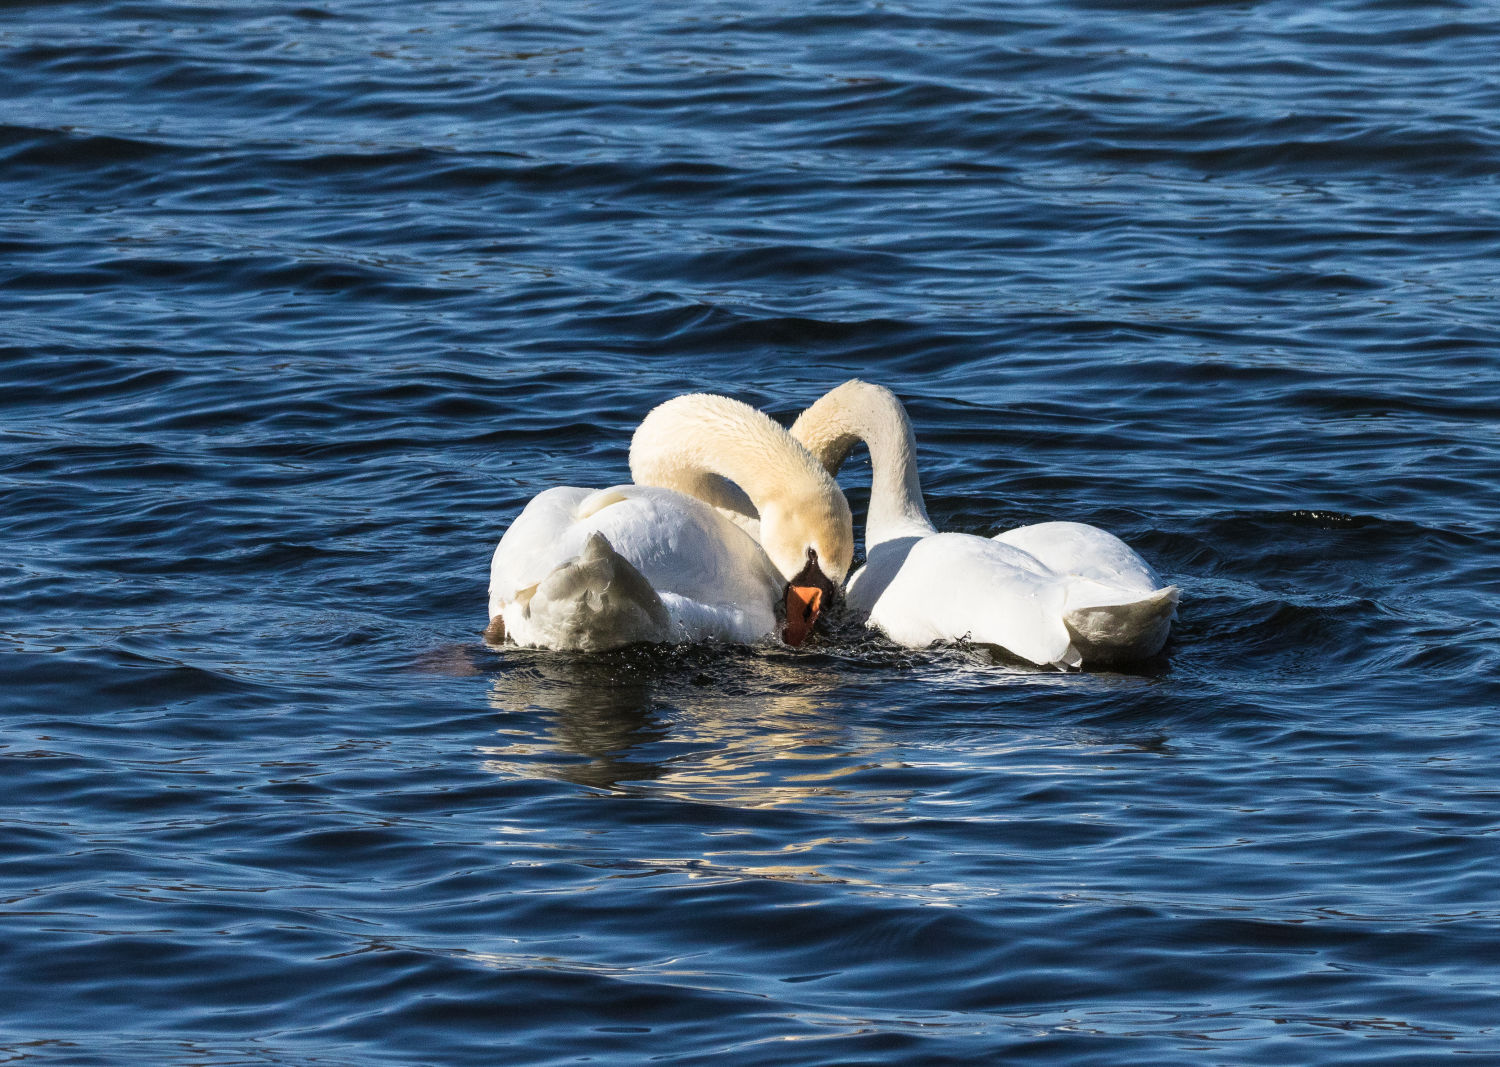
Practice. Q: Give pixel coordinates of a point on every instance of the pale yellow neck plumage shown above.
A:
(859, 411)
(728, 454)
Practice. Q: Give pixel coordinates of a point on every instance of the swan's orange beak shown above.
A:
(806, 596)
(803, 604)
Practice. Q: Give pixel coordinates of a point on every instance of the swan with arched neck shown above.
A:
(1056, 593)
(731, 531)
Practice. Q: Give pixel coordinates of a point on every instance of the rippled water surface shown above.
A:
(299, 305)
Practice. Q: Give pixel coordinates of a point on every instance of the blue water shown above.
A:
(299, 305)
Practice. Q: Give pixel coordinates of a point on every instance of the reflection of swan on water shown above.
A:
(675, 557)
(1061, 593)
(713, 732)
(576, 721)
(713, 724)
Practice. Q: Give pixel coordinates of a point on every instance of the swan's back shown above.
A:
(1116, 606)
(949, 586)
(549, 576)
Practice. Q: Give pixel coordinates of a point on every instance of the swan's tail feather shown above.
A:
(494, 633)
(1118, 633)
(596, 601)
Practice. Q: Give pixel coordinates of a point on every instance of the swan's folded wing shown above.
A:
(1116, 607)
(536, 543)
(684, 546)
(1078, 550)
(954, 586)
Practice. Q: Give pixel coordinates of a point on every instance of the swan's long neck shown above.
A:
(858, 411)
(691, 443)
(701, 443)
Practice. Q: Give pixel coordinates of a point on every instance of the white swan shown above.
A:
(588, 569)
(1058, 593)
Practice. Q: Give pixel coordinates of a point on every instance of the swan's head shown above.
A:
(812, 544)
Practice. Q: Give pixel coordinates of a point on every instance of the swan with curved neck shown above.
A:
(668, 559)
(1058, 593)
(700, 443)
